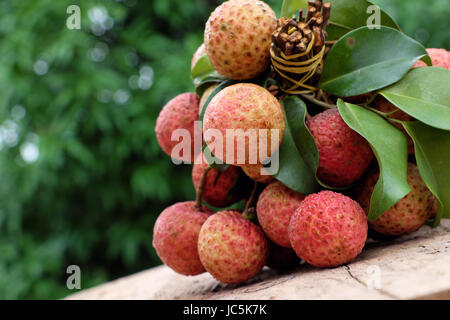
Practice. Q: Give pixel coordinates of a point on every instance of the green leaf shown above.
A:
(348, 15)
(294, 170)
(203, 72)
(390, 147)
(423, 93)
(365, 60)
(432, 149)
(289, 8)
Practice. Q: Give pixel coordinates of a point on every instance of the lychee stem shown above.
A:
(248, 212)
(200, 188)
(312, 99)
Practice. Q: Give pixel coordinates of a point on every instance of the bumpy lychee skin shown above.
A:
(175, 236)
(218, 184)
(328, 229)
(343, 154)
(275, 206)
(200, 52)
(238, 36)
(178, 113)
(408, 214)
(253, 171)
(281, 257)
(250, 113)
(439, 57)
(231, 248)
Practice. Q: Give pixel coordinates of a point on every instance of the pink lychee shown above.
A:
(408, 214)
(328, 229)
(238, 37)
(251, 117)
(200, 52)
(275, 206)
(231, 248)
(343, 154)
(218, 184)
(175, 236)
(439, 57)
(178, 113)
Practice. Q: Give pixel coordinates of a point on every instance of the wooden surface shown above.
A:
(416, 266)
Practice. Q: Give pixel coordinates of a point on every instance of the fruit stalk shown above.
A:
(201, 186)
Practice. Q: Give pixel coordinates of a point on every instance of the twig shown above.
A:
(248, 213)
(310, 98)
(201, 186)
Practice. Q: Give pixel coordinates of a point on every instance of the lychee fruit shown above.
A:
(281, 257)
(251, 117)
(175, 236)
(231, 248)
(218, 184)
(178, 113)
(238, 37)
(257, 172)
(408, 214)
(200, 52)
(205, 96)
(439, 57)
(343, 154)
(275, 206)
(328, 229)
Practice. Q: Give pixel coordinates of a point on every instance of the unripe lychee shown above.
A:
(328, 229)
(439, 57)
(178, 113)
(251, 117)
(275, 206)
(218, 184)
(175, 236)
(200, 52)
(205, 96)
(408, 214)
(253, 171)
(238, 37)
(281, 257)
(343, 154)
(231, 248)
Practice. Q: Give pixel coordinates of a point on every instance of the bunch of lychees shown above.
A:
(278, 225)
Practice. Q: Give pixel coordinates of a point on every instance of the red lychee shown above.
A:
(253, 171)
(178, 113)
(218, 184)
(231, 248)
(238, 37)
(281, 257)
(275, 206)
(250, 117)
(175, 236)
(408, 214)
(343, 154)
(439, 57)
(328, 229)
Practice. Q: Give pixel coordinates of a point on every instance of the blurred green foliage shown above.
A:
(82, 176)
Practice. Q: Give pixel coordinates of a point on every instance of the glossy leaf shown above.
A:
(203, 72)
(365, 60)
(424, 94)
(432, 150)
(348, 15)
(390, 147)
(294, 170)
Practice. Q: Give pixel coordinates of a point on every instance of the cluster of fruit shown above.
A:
(324, 229)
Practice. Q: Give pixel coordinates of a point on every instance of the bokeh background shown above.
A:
(82, 178)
